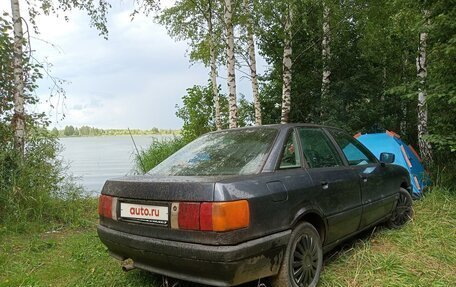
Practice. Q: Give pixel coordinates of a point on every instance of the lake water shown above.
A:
(93, 160)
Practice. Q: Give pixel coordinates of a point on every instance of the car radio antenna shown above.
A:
(137, 151)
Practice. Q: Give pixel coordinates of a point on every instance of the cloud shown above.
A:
(134, 79)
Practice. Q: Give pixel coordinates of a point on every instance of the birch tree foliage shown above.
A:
(373, 83)
(198, 113)
(6, 70)
(31, 70)
(441, 82)
(34, 177)
(387, 46)
(35, 8)
(271, 42)
(278, 20)
(97, 10)
(187, 20)
(198, 23)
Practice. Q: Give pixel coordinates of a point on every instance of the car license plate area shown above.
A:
(156, 214)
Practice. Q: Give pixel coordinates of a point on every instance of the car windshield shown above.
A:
(232, 152)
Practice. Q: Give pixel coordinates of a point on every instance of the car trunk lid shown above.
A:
(162, 188)
(146, 206)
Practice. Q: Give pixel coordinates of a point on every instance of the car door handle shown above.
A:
(324, 184)
(364, 178)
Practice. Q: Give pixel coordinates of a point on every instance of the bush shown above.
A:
(443, 170)
(157, 152)
(36, 189)
(34, 186)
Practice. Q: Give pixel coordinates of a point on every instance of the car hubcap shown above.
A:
(305, 261)
(403, 210)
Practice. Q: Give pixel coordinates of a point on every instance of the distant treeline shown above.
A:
(69, 131)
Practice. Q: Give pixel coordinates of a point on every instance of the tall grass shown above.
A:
(157, 152)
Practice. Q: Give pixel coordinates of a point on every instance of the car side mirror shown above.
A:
(387, 157)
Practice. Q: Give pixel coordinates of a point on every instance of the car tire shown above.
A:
(403, 212)
(303, 260)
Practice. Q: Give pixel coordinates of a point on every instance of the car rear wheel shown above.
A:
(303, 259)
(403, 211)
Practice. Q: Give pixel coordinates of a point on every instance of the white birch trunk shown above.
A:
(326, 57)
(286, 88)
(403, 123)
(215, 93)
(231, 79)
(421, 70)
(252, 63)
(18, 121)
(404, 108)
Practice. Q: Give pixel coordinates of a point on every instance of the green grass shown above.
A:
(423, 253)
(63, 257)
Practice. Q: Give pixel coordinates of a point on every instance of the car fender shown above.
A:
(311, 210)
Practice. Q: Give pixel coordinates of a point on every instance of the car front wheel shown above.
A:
(303, 259)
(403, 211)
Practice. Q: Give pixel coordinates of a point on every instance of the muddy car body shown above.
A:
(249, 203)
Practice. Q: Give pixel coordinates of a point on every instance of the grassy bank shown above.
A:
(421, 254)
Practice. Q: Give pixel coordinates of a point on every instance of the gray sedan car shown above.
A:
(259, 202)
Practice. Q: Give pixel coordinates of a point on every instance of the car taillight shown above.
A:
(230, 215)
(210, 216)
(107, 206)
(206, 216)
(189, 215)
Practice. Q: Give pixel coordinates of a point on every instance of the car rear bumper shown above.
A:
(206, 264)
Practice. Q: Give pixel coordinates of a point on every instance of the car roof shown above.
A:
(280, 127)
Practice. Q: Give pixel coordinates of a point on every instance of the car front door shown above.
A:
(337, 189)
(378, 199)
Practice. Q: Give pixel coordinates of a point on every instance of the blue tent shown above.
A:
(405, 156)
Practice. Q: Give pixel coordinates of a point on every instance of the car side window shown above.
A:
(355, 152)
(318, 149)
(290, 153)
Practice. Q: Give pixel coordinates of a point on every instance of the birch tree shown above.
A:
(252, 59)
(326, 57)
(18, 121)
(421, 71)
(230, 61)
(97, 15)
(197, 22)
(213, 56)
(287, 64)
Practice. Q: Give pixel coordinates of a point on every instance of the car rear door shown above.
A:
(337, 188)
(377, 196)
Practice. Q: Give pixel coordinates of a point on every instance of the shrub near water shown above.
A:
(35, 188)
(157, 152)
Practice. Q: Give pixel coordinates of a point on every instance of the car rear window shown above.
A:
(232, 152)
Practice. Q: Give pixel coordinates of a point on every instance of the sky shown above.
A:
(132, 80)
